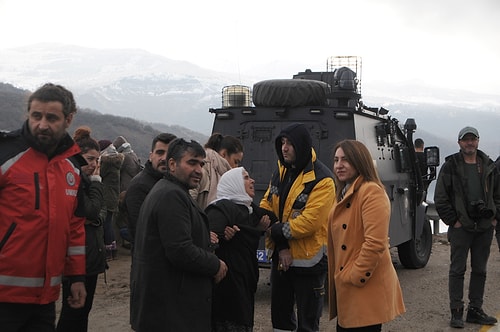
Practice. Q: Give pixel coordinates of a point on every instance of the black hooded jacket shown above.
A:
(298, 135)
(301, 195)
(301, 140)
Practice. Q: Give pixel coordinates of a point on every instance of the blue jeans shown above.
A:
(306, 290)
(479, 244)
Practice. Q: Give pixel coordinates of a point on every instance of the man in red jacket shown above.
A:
(42, 235)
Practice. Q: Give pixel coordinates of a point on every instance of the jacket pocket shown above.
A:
(37, 191)
(7, 235)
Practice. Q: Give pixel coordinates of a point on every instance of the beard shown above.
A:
(469, 151)
(47, 140)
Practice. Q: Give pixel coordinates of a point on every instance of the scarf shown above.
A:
(231, 186)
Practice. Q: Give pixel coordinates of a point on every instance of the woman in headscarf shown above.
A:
(239, 224)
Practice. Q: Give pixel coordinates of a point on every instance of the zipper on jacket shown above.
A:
(9, 232)
(37, 191)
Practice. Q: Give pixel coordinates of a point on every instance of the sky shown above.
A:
(445, 43)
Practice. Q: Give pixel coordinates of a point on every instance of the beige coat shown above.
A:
(215, 166)
(363, 285)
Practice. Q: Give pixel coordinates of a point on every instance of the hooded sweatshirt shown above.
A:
(298, 135)
(301, 195)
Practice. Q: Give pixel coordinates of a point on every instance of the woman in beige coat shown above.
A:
(364, 289)
(223, 154)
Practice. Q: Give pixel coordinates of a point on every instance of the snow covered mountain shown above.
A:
(126, 82)
(144, 86)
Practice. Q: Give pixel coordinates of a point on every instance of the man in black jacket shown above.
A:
(467, 198)
(419, 152)
(140, 186)
(174, 264)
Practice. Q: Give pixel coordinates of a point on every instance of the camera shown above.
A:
(480, 210)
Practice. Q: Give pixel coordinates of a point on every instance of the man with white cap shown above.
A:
(467, 198)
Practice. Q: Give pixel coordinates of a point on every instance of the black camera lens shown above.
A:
(481, 210)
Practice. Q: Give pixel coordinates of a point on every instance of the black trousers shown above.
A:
(371, 328)
(497, 233)
(76, 320)
(296, 288)
(20, 317)
(462, 243)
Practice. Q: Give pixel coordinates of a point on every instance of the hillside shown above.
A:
(133, 83)
(130, 83)
(13, 103)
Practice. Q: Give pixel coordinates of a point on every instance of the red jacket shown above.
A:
(41, 236)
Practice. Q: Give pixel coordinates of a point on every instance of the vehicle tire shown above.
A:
(290, 93)
(415, 253)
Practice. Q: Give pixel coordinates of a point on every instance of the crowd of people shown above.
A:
(189, 218)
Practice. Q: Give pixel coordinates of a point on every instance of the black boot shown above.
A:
(457, 320)
(478, 316)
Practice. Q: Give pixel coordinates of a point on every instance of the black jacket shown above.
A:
(450, 195)
(94, 232)
(137, 191)
(234, 295)
(173, 265)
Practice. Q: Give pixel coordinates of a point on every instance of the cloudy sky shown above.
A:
(445, 43)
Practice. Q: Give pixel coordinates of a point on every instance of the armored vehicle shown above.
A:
(330, 105)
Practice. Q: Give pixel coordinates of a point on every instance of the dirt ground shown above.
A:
(425, 294)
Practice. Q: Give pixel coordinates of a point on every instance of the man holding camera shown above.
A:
(467, 198)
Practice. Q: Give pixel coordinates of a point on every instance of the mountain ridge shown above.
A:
(140, 134)
(136, 84)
